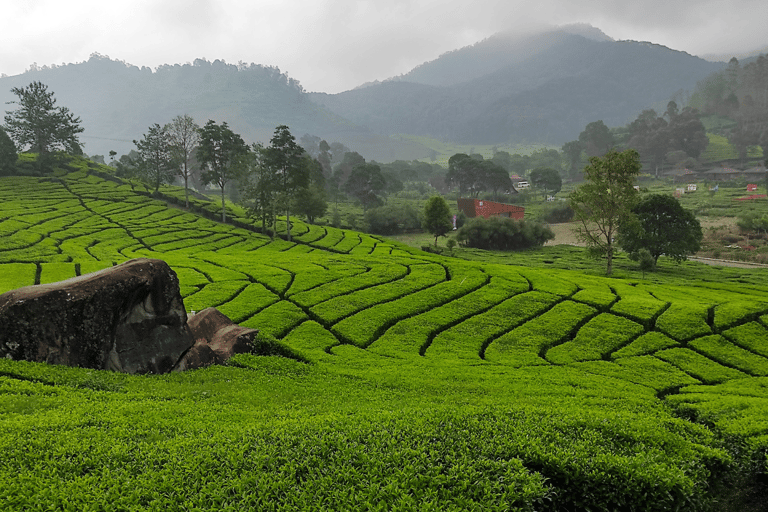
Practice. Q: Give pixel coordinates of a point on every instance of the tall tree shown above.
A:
(572, 153)
(462, 172)
(546, 179)
(366, 184)
(259, 193)
(437, 217)
(605, 200)
(8, 153)
(184, 134)
(688, 133)
(286, 158)
(156, 164)
(596, 139)
(41, 125)
(311, 201)
(495, 178)
(662, 226)
(222, 153)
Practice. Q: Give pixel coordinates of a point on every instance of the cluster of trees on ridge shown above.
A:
(738, 98)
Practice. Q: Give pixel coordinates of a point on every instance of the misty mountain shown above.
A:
(118, 102)
(541, 88)
(544, 88)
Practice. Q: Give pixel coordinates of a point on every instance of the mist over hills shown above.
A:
(540, 88)
(509, 88)
(117, 102)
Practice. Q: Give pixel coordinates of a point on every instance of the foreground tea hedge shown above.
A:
(417, 382)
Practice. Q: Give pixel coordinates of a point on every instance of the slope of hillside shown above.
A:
(544, 89)
(117, 103)
(432, 383)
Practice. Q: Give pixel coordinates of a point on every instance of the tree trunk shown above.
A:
(609, 264)
(288, 219)
(223, 210)
(186, 188)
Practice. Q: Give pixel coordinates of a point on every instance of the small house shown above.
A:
(482, 208)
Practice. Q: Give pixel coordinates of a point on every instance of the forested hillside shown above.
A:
(544, 89)
(118, 101)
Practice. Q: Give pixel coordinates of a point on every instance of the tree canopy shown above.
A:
(184, 134)
(596, 138)
(605, 200)
(222, 153)
(366, 184)
(546, 179)
(437, 217)
(41, 125)
(662, 226)
(156, 164)
(291, 169)
(8, 153)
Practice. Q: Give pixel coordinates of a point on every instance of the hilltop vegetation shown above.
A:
(543, 89)
(430, 383)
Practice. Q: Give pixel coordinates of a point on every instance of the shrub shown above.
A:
(390, 220)
(557, 214)
(500, 233)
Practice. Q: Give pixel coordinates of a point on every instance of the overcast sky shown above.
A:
(335, 45)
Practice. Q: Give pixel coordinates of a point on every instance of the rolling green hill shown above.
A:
(421, 382)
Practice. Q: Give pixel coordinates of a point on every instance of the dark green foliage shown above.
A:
(662, 226)
(557, 214)
(222, 154)
(291, 170)
(437, 217)
(546, 179)
(366, 185)
(392, 219)
(503, 234)
(645, 260)
(604, 201)
(311, 202)
(41, 125)
(596, 139)
(8, 154)
(156, 164)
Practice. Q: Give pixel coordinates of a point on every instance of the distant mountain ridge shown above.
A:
(118, 102)
(540, 88)
(509, 88)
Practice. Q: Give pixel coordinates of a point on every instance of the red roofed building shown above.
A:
(485, 209)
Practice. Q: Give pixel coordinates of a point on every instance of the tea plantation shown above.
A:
(416, 382)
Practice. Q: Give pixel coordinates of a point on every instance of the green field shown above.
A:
(421, 382)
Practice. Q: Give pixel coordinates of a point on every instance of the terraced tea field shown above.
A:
(422, 382)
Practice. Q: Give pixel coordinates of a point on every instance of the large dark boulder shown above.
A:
(128, 318)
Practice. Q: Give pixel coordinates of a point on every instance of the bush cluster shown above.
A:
(390, 220)
(557, 214)
(501, 233)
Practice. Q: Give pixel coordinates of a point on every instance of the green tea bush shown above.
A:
(685, 321)
(699, 366)
(341, 306)
(468, 340)
(721, 350)
(648, 343)
(527, 344)
(596, 340)
(378, 275)
(644, 370)
(751, 336)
